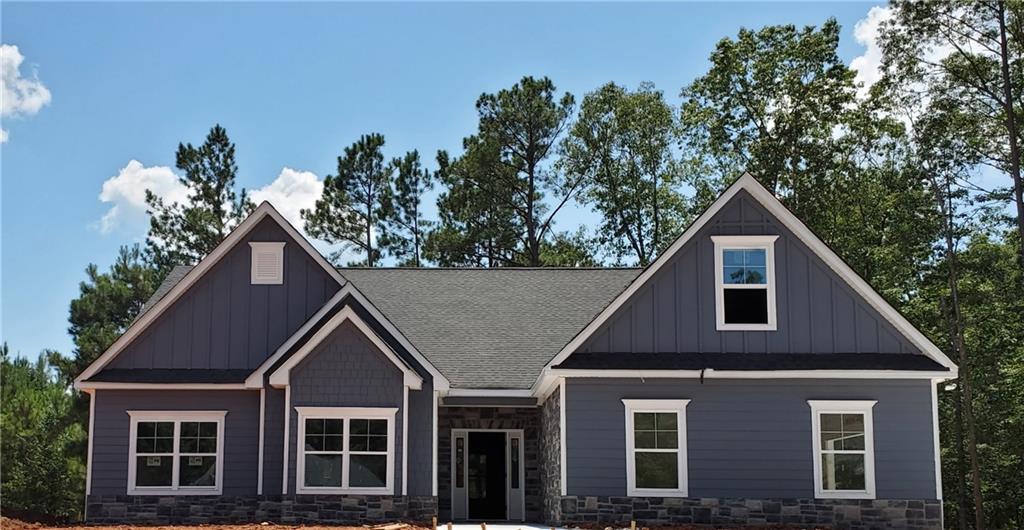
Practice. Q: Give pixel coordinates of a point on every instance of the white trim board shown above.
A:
(101, 385)
(862, 407)
(177, 417)
(766, 243)
(345, 414)
(280, 377)
(264, 210)
(794, 225)
(677, 406)
(255, 379)
(711, 373)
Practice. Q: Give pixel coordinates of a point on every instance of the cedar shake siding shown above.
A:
(817, 311)
(749, 438)
(225, 322)
(346, 370)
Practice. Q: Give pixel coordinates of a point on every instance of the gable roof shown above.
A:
(800, 230)
(280, 376)
(171, 292)
(490, 328)
(342, 301)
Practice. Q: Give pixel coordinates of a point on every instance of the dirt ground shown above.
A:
(14, 524)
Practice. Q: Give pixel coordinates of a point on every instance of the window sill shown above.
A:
(635, 492)
(746, 327)
(861, 494)
(182, 492)
(344, 491)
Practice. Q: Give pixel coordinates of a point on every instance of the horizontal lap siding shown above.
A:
(749, 438)
(112, 430)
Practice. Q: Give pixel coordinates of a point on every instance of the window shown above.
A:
(745, 283)
(267, 263)
(349, 450)
(656, 447)
(844, 460)
(176, 453)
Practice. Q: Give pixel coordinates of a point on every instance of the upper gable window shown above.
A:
(267, 263)
(745, 283)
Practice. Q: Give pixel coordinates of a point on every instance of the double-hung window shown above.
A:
(346, 450)
(844, 459)
(176, 453)
(656, 447)
(745, 283)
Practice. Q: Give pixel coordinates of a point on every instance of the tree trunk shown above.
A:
(369, 236)
(1011, 128)
(965, 372)
(962, 507)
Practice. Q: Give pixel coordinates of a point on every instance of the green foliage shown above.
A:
(780, 104)
(406, 228)
(43, 473)
(355, 202)
(106, 305)
(493, 211)
(620, 149)
(181, 234)
(970, 54)
(769, 106)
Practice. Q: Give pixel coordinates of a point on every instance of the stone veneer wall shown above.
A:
(838, 514)
(291, 509)
(551, 458)
(526, 418)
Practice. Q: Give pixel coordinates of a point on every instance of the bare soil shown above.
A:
(15, 524)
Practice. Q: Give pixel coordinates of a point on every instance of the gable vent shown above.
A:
(267, 263)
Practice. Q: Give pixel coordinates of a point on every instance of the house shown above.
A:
(747, 376)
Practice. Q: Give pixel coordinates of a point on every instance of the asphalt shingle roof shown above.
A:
(172, 279)
(490, 328)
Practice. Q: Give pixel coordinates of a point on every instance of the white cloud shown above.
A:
(869, 64)
(127, 192)
(21, 96)
(290, 192)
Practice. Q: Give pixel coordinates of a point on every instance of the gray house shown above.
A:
(748, 376)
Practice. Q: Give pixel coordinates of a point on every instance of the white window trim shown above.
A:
(266, 246)
(766, 242)
(844, 407)
(216, 416)
(656, 405)
(344, 413)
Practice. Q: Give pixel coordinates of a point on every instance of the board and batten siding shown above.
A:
(817, 311)
(347, 370)
(749, 438)
(112, 430)
(225, 322)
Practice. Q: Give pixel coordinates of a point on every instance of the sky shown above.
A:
(96, 98)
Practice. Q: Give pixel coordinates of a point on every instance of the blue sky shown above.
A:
(293, 84)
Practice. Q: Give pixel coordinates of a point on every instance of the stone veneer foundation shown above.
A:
(297, 509)
(838, 514)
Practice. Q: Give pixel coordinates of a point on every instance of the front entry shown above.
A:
(487, 472)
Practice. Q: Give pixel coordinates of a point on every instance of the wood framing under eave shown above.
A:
(264, 210)
(255, 379)
(800, 230)
(280, 378)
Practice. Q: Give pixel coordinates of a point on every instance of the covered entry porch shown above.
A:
(489, 463)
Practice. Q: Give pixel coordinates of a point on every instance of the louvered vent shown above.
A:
(267, 263)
